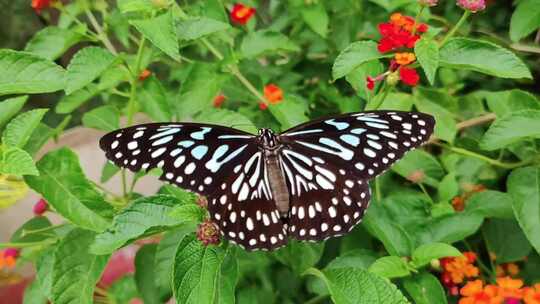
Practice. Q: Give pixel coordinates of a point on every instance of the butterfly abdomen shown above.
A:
(277, 183)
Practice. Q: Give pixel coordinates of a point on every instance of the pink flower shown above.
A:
(472, 5)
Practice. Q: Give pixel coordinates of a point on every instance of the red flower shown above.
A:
(38, 5)
(409, 76)
(218, 100)
(273, 93)
(263, 106)
(40, 207)
(370, 83)
(241, 14)
(398, 33)
(144, 74)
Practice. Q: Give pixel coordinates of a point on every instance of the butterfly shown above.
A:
(309, 182)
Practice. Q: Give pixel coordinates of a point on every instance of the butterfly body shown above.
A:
(308, 183)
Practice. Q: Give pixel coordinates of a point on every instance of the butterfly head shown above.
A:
(267, 138)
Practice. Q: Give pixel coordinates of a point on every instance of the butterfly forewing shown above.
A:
(368, 142)
(223, 164)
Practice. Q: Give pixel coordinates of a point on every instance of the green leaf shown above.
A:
(316, 17)
(506, 102)
(39, 137)
(106, 118)
(423, 255)
(353, 56)
(357, 286)
(146, 215)
(51, 42)
(203, 83)
(165, 253)
(109, 170)
(525, 19)
(188, 213)
(427, 53)
(33, 294)
(28, 232)
(499, 234)
(470, 54)
(17, 162)
(524, 186)
(130, 6)
(71, 102)
(25, 73)
(193, 29)
(448, 187)
(425, 288)
(357, 258)
(393, 236)
(123, 290)
(19, 130)
(75, 270)
(450, 228)
(227, 118)
(390, 267)
(511, 128)
(299, 256)
(85, 66)
(289, 113)
(161, 32)
(491, 204)
(420, 160)
(263, 42)
(153, 100)
(145, 274)
(10, 107)
(357, 78)
(436, 103)
(196, 272)
(63, 184)
(44, 270)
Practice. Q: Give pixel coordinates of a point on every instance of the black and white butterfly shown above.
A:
(309, 182)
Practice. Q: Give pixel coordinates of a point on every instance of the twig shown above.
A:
(476, 121)
(101, 33)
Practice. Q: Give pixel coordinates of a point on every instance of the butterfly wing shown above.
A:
(223, 164)
(327, 164)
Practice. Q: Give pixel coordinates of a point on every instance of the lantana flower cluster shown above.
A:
(462, 279)
(8, 258)
(399, 35)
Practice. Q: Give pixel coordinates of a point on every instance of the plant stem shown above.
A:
(103, 189)
(27, 232)
(101, 34)
(426, 193)
(417, 18)
(451, 33)
(24, 245)
(379, 99)
(233, 69)
(491, 161)
(133, 82)
(378, 194)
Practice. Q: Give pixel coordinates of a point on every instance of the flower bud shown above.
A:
(40, 207)
(472, 5)
(202, 201)
(208, 233)
(392, 79)
(416, 176)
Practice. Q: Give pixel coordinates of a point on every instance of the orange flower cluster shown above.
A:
(240, 13)
(506, 291)
(510, 269)
(457, 269)
(8, 258)
(400, 34)
(273, 94)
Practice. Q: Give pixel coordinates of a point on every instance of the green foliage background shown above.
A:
(79, 65)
